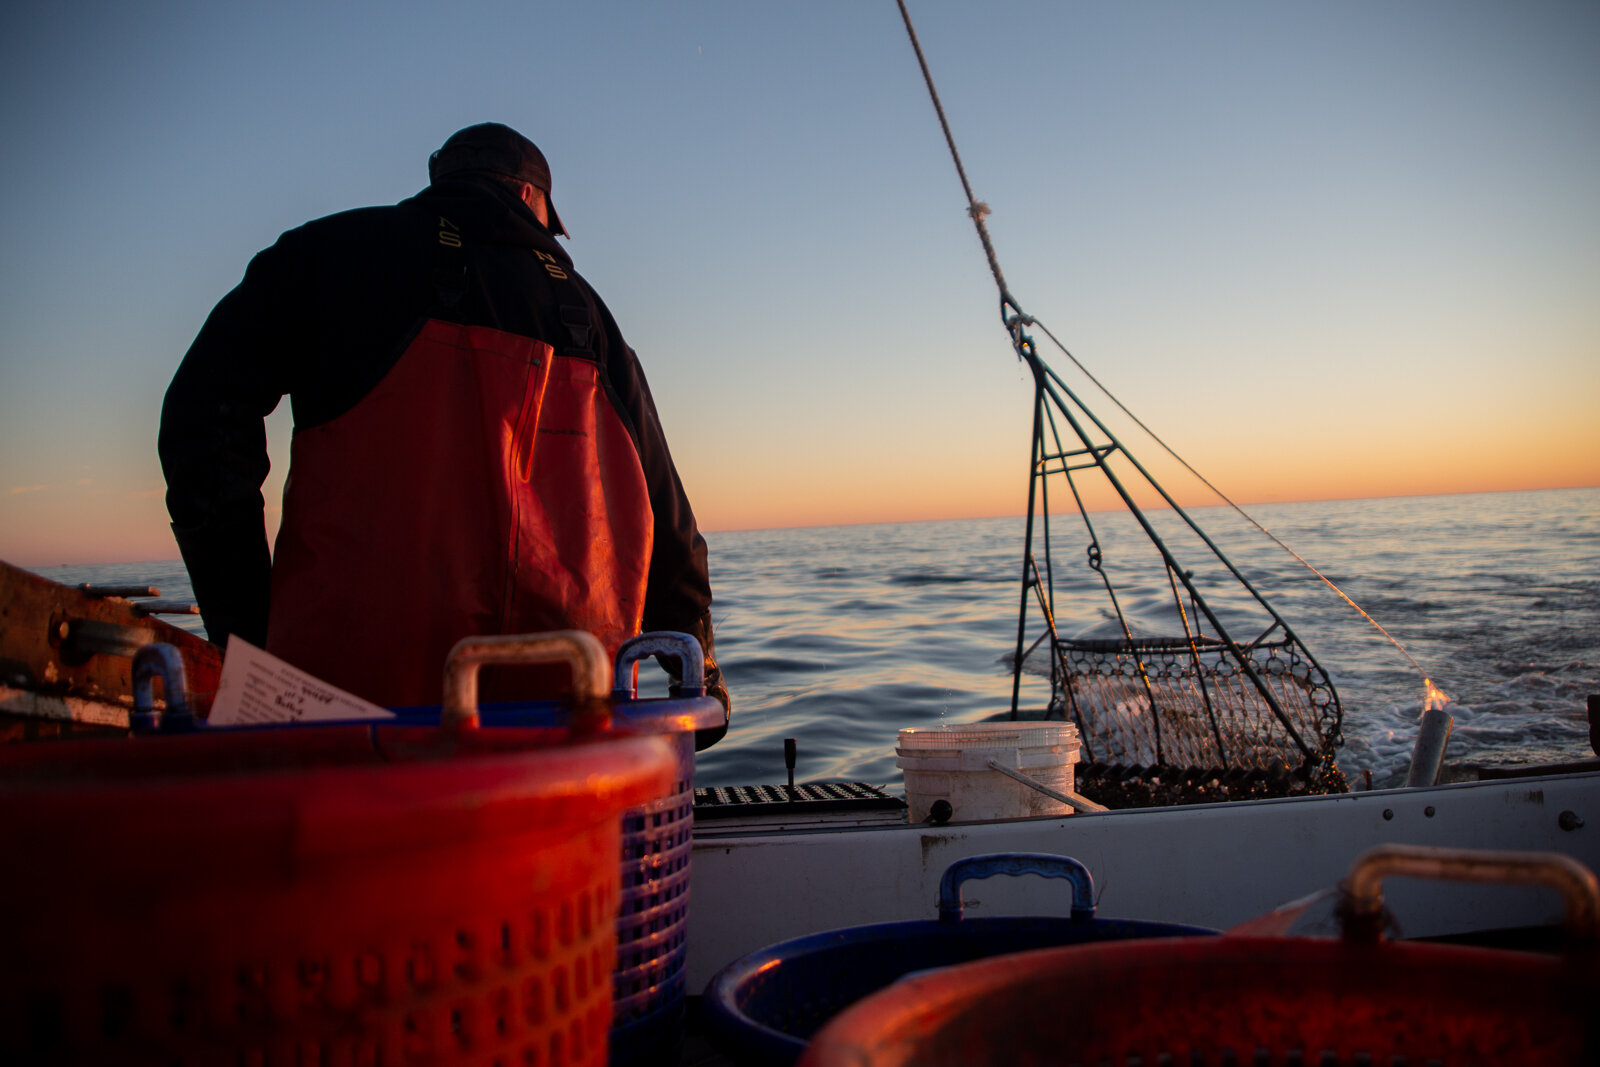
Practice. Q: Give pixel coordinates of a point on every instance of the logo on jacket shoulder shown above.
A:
(449, 233)
(551, 265)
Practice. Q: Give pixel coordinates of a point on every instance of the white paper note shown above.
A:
(258, 687)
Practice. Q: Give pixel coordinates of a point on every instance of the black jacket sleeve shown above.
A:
(678, 596)
(679, 591)
(213, 445)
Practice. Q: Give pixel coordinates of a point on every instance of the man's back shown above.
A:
(475, 449)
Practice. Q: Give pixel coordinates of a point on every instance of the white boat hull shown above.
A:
(1212, 865)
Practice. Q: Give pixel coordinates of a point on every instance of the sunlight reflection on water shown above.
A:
(841, 636)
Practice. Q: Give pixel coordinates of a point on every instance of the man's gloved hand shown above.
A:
(715, 687)
(704, 739)
(230, 573)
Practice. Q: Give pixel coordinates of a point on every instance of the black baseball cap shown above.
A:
(496, 149)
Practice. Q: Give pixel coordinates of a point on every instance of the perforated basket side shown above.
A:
(443, 911)
(650, 980)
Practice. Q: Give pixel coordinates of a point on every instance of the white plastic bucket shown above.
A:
(953, 764)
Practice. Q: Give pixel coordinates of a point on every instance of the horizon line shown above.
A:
(958, 518)
(1162, 506)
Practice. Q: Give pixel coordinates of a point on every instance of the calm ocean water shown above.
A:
(840, 636)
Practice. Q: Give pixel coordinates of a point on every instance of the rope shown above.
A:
(976, 209)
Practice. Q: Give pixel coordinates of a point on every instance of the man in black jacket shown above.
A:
(475, 446)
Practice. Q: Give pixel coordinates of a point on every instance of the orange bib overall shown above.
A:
(486, 485)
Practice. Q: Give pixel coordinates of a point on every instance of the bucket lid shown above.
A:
(990, 735)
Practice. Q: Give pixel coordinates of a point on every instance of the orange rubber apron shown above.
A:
(486, 485)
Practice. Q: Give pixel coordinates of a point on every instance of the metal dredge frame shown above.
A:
(1202, 700)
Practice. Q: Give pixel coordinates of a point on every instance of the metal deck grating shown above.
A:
(818, 797)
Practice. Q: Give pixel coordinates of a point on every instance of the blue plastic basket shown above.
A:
(765, 1007)
(650, 982)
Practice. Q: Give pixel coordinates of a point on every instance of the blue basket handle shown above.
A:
(1040, 863)
(165, 660)
(680, 646)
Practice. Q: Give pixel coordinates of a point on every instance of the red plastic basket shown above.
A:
(1237, 1000)
(322, 895)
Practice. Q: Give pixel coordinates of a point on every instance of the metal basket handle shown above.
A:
(1362, 906)
(581, 652)
(159, 658)
(680, 646)
(1043, 864)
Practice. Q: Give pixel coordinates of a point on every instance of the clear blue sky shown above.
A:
(1339, 249)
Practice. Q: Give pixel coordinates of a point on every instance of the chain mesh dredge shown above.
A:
(1193, 712)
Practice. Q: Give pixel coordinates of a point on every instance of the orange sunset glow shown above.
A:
(1310, 286)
